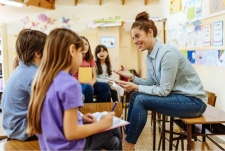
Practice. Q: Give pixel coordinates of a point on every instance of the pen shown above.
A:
(114, 106)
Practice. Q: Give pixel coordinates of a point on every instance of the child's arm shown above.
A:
(73, 131)
(94, 77)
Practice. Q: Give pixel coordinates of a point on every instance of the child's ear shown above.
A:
(37, 54)
(72, 50)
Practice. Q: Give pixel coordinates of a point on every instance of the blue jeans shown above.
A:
(101, 89)
(175, 105)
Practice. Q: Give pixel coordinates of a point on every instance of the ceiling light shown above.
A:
(12, 3)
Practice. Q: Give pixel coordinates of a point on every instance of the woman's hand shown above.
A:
(128, 86)
(124, 73)
(88, 118)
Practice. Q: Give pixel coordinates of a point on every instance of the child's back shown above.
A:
(16, 94)
(15, 101)
(59, 98)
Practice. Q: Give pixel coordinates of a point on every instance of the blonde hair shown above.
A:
(56, 57)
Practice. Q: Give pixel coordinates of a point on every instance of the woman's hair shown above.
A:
(56, 57)
(28, 42)
(15, 62)
(107, 60)
(143, 22)
(88, 55)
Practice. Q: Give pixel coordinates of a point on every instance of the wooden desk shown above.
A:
(212, 116)
(19, 145)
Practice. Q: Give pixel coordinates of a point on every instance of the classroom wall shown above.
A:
(125, 52)
(212, 77)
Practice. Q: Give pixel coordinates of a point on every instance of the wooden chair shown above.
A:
(181, 135)
(100, 107)
(16, 145)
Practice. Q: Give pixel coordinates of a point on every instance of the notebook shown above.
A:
(117, 122)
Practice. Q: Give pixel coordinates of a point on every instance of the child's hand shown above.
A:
(88, 118)
(91, 83)
(108, 119)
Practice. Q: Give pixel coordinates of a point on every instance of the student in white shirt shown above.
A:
(104, 69)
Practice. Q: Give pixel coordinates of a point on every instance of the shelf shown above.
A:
(203, 48)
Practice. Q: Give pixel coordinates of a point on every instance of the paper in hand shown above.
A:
(119, 89)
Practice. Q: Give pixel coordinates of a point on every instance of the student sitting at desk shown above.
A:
(172, 86)
(92, 87)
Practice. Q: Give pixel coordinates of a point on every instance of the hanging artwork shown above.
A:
(34, 24)
(43, 29)
(192, 9)
(191, 56)
(43, 17)
(51, 21)
(64, 20)
(216, 6)
(206, 35)
(221, 58)
(200, 57)
(175, 6)
(109, 42)
(25, 20)
(217, 33)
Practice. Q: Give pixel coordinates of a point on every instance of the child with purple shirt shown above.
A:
(56, 96)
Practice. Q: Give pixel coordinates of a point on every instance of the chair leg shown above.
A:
(160, 140)
(177, 144)
(182, 144)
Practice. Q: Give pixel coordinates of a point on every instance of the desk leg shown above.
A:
(163, 131)
(154, 129)
(189, 136)
(171, 133)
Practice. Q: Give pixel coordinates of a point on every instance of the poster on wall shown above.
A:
(221, 58)
(109, 42)
(200, 57)
(175, 6)
(217, 33)
(206, 35)
(192, 9)
(216, 6)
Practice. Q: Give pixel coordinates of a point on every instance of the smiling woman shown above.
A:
(171, 81)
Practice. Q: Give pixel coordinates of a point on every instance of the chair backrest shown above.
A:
(211, 98)
(100, 107)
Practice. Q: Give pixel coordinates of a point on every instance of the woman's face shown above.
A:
(86, 46)
(102, 54)
(141, 39)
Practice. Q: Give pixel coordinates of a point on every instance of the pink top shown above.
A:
(85, 63)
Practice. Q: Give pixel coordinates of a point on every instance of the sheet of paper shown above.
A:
(117, 122)
(119, 89)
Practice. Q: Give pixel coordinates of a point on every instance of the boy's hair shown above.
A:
(28, 42)
(56, 57)
(107, 60)
(88, 55)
